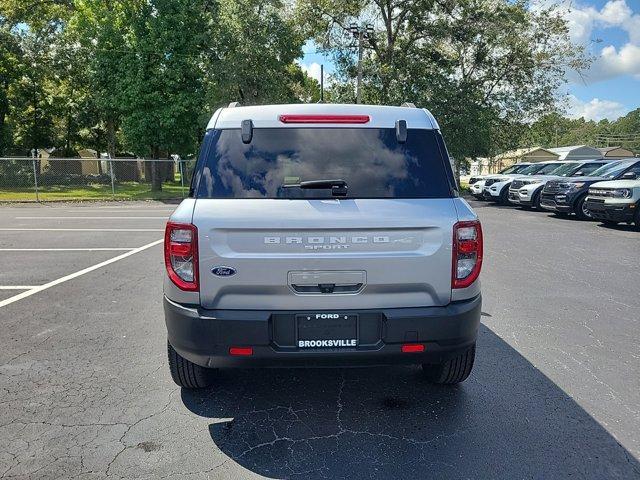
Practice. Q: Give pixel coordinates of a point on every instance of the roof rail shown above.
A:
(408, 105)
(234, 105)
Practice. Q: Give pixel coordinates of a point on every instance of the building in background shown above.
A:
(506, 159)
(616, 152)
(577, 152)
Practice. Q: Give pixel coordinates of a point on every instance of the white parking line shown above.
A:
(47, 217)
(66, 278)
(81, 230)
(97, 249)
(114, 209)
(17, 287)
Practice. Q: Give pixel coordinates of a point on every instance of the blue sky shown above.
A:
(610, 30)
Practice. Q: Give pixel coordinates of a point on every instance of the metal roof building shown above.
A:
(577, 152)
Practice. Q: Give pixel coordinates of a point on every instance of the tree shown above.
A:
(10, 71)
(30, 34)
(99, 27)
(479, 65)
(162, 79)
(251, 54)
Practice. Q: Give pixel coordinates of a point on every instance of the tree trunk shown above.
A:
(156, 174)
(4, 110)
(111, 137)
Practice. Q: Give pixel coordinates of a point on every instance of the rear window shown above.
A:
(370, 160)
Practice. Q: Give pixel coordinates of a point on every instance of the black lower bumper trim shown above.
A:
(205, 336)
(614, 213)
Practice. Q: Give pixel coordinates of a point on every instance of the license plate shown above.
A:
(327, 330)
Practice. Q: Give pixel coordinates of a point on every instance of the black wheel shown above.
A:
(187, 374)
(610, 223)
(454, 370)
(636, 217)
(535, 203)
(504, 196)
(581, 209)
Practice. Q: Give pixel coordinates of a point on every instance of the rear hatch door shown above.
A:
(324, 254)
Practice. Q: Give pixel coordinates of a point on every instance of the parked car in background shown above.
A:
(476, 182)
(568, 195)
(526, 191)
(496, 187)
(615, 201)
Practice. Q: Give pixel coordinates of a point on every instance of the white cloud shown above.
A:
(610, 61)
(595, 109)
(313, 70)
(622, 61)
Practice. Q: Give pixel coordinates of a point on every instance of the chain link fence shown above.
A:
(72, 179)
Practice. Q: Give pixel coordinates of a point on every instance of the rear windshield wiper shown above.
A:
(338, 187)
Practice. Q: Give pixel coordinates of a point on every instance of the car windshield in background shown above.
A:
(610, 170)
(531, 169)
(567, 169)
(549, 169)
(370, 160)
(589, 168)
(512, 169)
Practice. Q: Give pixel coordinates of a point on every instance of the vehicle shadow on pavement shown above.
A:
(620, 227)
(508, 420)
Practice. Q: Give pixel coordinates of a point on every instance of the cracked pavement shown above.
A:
(555, 392)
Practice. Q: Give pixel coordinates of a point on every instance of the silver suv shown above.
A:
(322, 235)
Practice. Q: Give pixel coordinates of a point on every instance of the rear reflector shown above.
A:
(241, 351)
(324, 118)
(412, 348)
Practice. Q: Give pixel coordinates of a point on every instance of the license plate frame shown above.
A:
(326, 330)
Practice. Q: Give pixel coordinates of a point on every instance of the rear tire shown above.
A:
(453, 371)
(187, 374)
(610, 223)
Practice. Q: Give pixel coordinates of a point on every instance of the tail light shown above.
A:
(181, 255)
(467, 253)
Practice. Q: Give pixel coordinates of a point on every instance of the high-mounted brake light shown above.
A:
(324, 118)
(181, 255)
(467, 253)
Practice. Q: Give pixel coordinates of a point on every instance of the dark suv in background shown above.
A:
(568, 195)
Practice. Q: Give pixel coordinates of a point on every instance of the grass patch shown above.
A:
(123, 191)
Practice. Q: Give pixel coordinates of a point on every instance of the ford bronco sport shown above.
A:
(322, 235)
(615, 201)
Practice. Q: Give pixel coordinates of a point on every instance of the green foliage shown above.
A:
(481, 66)
(555, 130)
(254, 46)
(144, 76)
(139, 75)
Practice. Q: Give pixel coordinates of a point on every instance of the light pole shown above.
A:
(360, 32)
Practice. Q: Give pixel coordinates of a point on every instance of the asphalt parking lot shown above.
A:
(85, 390)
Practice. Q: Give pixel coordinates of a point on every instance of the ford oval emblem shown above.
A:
(223, 271)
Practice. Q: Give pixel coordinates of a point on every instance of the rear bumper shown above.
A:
(205, 336)
(615, 212)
